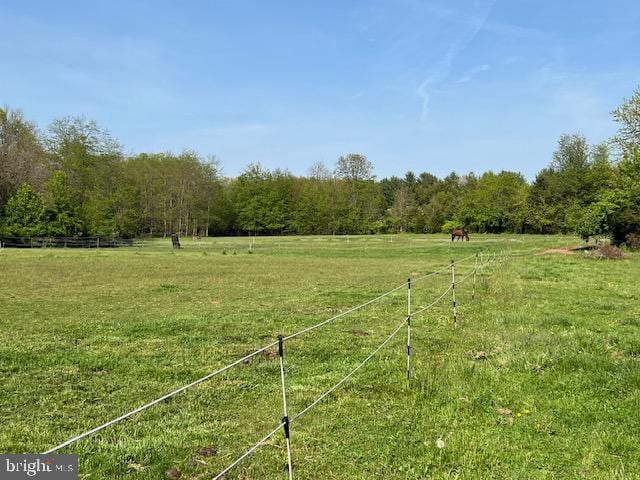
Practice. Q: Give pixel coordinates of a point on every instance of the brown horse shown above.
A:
(459, 233)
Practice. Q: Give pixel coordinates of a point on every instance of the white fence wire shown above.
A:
(284, 424)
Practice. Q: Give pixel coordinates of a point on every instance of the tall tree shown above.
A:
(62, 212)
(402, 210)
(357, 195)
(22, 158)
(495, 203)
(24, 214)
(354, 167)
(90, 157)
(628, 116)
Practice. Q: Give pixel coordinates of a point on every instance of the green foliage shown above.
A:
(496, 203)
(22, 158)
(571, 196)
(312, 206)
(590, 220)
(24, 214)
(449, 225)
(354, 167)
(625, 218)
(165, 193)
(403, 209)
(62, 210)
(93, 189)
(628, 116)
(262, 200)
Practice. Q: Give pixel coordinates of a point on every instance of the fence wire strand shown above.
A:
(427, 275)
(249, 452)
(347, 312)
(465, 277)
(260, 350)
(432, 303)
(158, 400)
(350, 374)
(443, 269)
(217, 372)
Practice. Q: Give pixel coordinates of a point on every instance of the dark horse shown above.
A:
(459, 233)
(175, 240)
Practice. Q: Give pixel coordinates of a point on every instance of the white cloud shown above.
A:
(473, 72)
(441, 71)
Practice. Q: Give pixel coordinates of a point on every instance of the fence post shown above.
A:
(475, 269)
(285, 419)
(482, 268)
(453, 291)
(408, 329)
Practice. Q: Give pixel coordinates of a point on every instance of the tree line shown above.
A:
(73, 179)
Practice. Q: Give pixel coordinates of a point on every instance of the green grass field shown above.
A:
(541, 379)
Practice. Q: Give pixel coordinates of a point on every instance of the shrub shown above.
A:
(632, 240)
(607, 251)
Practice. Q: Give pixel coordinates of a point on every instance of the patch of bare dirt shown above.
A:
(477, 355)
(556, 251)
(359, 333)
(208, 451)
(173, 473)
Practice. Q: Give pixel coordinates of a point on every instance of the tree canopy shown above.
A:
(73, 179)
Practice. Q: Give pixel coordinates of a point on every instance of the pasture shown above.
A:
(541, 378)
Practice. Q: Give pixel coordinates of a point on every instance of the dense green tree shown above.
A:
(172, 193)
(623, 200)
(573, 181)
(263, 200)
(80, 183)
(61, 212)
(388, 189)
(24, 214)
(357, 196)
(22, 157)
(86, 153)
(495, 203)
(91, 161)
(543, 210)
(312, 206)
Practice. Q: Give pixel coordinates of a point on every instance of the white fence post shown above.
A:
(285, 419)
(409, 329)
(475, 269)
(453, 291)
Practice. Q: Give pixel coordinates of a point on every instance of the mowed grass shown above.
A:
(539, 380)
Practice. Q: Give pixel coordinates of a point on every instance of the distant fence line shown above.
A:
(68, 242)
(481, 263)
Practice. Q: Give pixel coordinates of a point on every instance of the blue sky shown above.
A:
(415, 85)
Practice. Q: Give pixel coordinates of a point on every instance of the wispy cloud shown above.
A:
(442, 69)
(473, 72)
(513, 30)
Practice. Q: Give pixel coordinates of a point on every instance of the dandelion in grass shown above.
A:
(440, 443)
